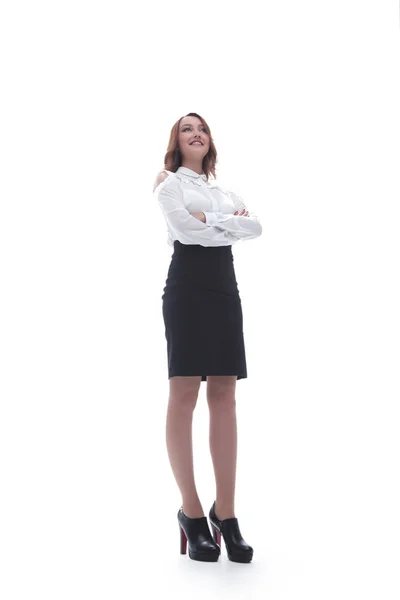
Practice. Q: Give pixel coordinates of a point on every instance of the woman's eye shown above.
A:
(188, 129)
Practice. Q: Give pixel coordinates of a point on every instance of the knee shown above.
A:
(184, 394)
(183, 402)
(221, 401)
(221, 393)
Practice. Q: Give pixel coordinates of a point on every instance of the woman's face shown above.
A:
(193, 138)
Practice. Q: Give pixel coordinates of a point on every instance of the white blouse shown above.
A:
(185, 192)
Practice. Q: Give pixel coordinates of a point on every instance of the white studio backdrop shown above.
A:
(302, 99)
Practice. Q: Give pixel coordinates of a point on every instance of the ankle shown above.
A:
(224, 511)
(193, 510)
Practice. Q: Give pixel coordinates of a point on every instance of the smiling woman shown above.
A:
(182, 149)
(186, 195)
(203, 320)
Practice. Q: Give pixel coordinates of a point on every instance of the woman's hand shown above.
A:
(242, 213)
(200, 216)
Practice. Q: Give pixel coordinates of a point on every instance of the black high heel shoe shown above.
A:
(197, 533)
(238, 550)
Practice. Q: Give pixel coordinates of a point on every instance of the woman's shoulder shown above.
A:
(163, 176)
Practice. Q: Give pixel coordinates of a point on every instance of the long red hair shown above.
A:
(173, 157)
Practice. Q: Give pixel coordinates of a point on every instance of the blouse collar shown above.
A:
(191, 173)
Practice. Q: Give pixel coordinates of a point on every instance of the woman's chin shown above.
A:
(197, 152)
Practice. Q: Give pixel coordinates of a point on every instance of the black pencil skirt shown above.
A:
(202, 313)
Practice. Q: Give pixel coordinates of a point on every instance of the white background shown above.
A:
(303, 102)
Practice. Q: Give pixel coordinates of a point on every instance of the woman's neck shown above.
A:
(194, 165)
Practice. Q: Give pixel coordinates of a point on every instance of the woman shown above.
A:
(204, 330)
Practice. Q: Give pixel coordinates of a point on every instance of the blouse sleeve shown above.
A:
(182, 225)
(243, 228)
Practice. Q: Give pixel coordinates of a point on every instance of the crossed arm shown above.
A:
(213, 229)
(201, 216)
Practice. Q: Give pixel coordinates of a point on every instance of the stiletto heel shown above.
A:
(237, 549)
(183, 539)
(196, 534)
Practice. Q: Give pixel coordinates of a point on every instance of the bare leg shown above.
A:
(182, 402)
(223, 441)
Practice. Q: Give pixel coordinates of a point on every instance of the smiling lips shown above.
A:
(196, 142)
